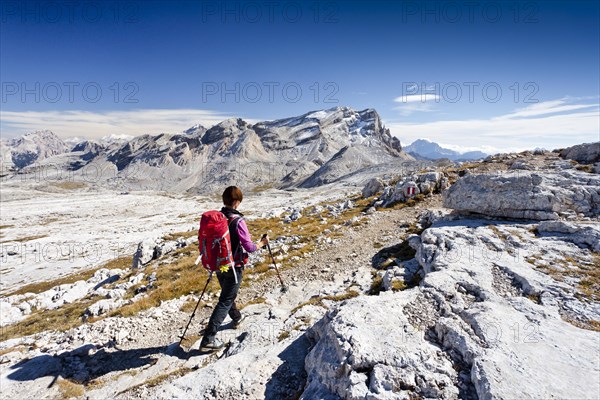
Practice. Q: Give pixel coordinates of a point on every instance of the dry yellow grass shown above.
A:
(27, 238)
(398, 285)
(283, 335)
(157, 380)
(587, 274)
(318, 300)
(48, 221)
(376, 284)
(180, 277)
(586, 168)
(68, 389)
(256, 300)
(11, 349)
(70, 185)
(61, 319)
(174, 280)
(589, 283)
(262, 188)
(190, 339)
(177, 235)
(591, 325)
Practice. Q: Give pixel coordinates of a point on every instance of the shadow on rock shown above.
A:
(82, 365)
(288, 381)
(388, 255)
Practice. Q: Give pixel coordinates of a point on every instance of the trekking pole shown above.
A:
(195, 308)
(283, 287)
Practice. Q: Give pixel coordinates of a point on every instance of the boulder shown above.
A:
(10, 314)
(365, 350)
(373, 187)
(294, 216)
(401, 192)
(521, 164)
(409, 189)
(75, 292)
(347, 205)
(429, 177)
(528, 195)
(165, 248)
(103, 306)
(430, 182)
(426, 187)
(425, 183)
(586, 153)
(144, 253)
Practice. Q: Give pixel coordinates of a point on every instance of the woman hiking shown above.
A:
(241, 245)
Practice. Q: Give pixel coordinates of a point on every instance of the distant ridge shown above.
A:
(425, 149)
(312, 149)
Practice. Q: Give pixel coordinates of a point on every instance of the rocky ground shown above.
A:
(443, 295)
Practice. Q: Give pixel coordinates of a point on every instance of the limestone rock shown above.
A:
(373, 187)
(425, 183)
(145, 253)
(582, 235)
(586, 153)
(472, 329)
(368, 351)
(529, 195)
(9, 313)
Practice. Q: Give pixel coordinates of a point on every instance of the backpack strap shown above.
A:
(235, 220)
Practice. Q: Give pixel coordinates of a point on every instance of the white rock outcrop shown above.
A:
(365, 350)
(374, 186)
(16, 308)
(527, 195)
(484, 323)
(144, 253)
(584, 153)
(425, 183)
(153, 248)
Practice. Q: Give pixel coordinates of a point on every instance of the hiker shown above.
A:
(241, 245)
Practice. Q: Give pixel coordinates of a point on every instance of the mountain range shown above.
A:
(316, 148)
(427, 150)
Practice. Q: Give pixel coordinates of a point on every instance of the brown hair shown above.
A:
(231, 194)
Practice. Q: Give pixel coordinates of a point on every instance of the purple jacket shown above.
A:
(245, 239)
(242, 236)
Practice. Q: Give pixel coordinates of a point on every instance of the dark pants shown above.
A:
(226, 304)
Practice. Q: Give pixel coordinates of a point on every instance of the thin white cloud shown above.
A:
(542, 127)
(410, 104)
(465, 149)
(422, 98)
(547, 107)
(98, 124)
(412, 108)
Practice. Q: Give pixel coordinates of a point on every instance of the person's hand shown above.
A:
(263, 241)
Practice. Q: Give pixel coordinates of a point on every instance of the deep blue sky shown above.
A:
(368, 49)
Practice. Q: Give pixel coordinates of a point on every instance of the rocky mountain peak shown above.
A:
(227, 128)
(32, 147)
(196, 129)
(304, 144)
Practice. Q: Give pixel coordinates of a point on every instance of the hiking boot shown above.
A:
(238, 322)
(212, 345)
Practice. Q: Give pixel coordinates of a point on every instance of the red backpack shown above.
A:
(214, 242)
